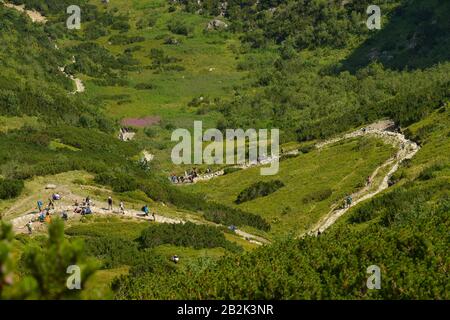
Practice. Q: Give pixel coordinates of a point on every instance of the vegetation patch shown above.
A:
(259, 189)
(186, 235)
(10, 188)
(318, 196)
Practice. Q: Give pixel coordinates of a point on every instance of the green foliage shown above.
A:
(318, 196)
(146, 22)
(230, 170)
(431, 171)
(259, 189)
(413, 37)
(186, 235)
(6, 264)
(145, 86)
(411, 253)
(48, 265)
(10, 188)
(119, 182)
(180, 27)
(346, 77)
(123, 39)
(43, 266)
(224, 215)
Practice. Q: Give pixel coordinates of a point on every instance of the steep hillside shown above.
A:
(142, 69)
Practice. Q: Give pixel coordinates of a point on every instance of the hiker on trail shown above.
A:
(40, 204)
(110, 203)
(145, 210)
(41, 217)
(154, 217)
(29, 226)
(368, 180)
(51, 203)
(48, 218)
(349, 201)
(86, 210)
(88, 201)
(64, 216)
(122, 207)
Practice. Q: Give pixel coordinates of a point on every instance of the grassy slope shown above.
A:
(342, 168)
(169, 100)
(404, 231)
(198, 53)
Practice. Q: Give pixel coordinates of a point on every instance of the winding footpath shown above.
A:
(34, 15)
(37, 17)
(79, 86)
(19, 223)
(406, 150)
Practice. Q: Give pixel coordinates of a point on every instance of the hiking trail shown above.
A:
(37, 17)
(64, 205)
(381, 129)
(34, 15)
(407, 150)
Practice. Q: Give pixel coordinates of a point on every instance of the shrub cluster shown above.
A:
(259, 189)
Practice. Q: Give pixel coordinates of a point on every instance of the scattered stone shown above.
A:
(216, 24)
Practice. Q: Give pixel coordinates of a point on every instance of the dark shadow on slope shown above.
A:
(417, 37)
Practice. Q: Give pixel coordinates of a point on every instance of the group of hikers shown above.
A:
(349, 200)
(44, 212)
(83, 208)
(188, 176)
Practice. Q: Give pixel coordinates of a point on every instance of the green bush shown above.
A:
(179, 27)
(227, 216)
(229, 170)
(118, 182)
(10, 188)
(317, 196)
(259, 189)
(123, 39)
(144, 86)
(186, 235)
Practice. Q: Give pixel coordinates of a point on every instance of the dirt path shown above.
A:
(79, 86)
(380, 129)
(35, 16)
(66, 204)
(407, 150)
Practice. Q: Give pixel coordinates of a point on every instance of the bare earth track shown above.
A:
(407, 149)
(37, 17)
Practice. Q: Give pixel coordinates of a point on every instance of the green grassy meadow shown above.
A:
(308, 68)
(342, 167)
